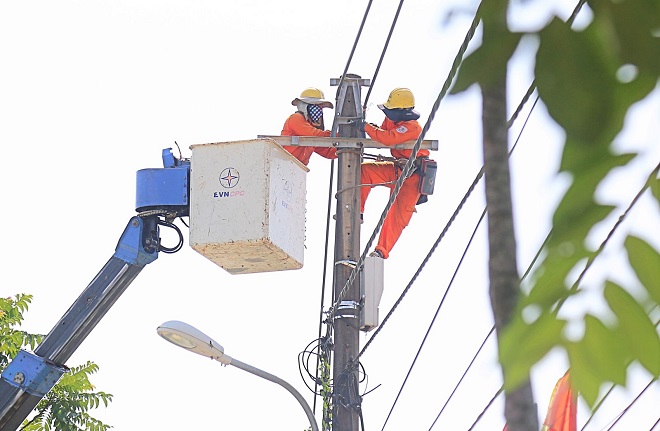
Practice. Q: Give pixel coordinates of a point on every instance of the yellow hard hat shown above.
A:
(313, 96)
(399, 98)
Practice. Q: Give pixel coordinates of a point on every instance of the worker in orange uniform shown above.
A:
(308, 121)
(400, 125)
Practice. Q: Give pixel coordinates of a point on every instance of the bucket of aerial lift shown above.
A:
(247, 206)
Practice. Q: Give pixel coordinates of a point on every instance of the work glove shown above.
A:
(361, 122)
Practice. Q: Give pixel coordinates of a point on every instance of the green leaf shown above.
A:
(591, 162)
(487, 63)
(550, 286)
(521, 345)
(629, 26)
(646, 263)
(655, 188)
(65, 406)
(637, 331)
(601, 346)
(575, 80)
(574, 219)
(583, 377)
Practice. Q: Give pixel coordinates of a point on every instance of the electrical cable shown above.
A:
(476, 180)
(347, 379)
(530, 266)
(490, 403)
(655, 425)
(591, 259)
(444, 232)
(334, 128)
(607, 394)
(625, 410)
(474, 357)
(382, 56)
(177, 247)
(437, 311)
(468, 193)
(350, 58)
(325, 265)
(509, 123)
(597, 406)
(408, 167)
(333, 133)
(492, 329)
(394, 194)
(575, 286)
(303, 364)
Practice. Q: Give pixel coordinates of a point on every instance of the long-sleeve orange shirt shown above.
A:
(297, 125)
(391, 133)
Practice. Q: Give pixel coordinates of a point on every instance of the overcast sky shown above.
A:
(92, 91)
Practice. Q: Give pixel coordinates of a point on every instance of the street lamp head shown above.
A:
(192, 339)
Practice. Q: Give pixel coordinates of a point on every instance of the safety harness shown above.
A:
(425, 167)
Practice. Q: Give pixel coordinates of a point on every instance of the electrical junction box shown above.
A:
(371, 291)
(247, 206)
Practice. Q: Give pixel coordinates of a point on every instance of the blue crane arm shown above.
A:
(30, 376)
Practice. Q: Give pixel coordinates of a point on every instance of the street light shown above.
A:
(194, 340)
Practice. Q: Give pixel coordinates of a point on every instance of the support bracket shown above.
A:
(33, 374)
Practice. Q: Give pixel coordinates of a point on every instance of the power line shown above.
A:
(655, 425)
(490, 403)
(350, 58)
(607, 394)
(597, 407)
(527, 96)
(631, 404)
(437, 311)
(474, 357)
(323, 359)
(590, 261)
(393, 196)
(382, 56)
(407, 169)
(325, 266)
(575, 286)
(445, 230)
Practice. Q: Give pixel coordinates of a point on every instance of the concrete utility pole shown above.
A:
(347, 249)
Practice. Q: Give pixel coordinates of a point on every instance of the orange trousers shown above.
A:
(403, 207)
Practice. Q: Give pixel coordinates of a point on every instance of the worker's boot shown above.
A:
(376, 253)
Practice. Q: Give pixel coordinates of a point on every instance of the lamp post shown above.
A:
(194, 340)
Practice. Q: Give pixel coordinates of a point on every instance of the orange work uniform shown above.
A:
(297, 125)
(403, 207)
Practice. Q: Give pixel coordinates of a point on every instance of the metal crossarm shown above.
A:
(316, 141)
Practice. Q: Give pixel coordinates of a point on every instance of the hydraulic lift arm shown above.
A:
(30, 376)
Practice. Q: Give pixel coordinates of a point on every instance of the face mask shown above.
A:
(315, 113)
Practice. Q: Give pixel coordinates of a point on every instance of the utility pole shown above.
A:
(348, 315)
(346, 297)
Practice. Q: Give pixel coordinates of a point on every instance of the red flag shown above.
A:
(562, 411)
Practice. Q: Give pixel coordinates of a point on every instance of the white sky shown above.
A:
(92, 91)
